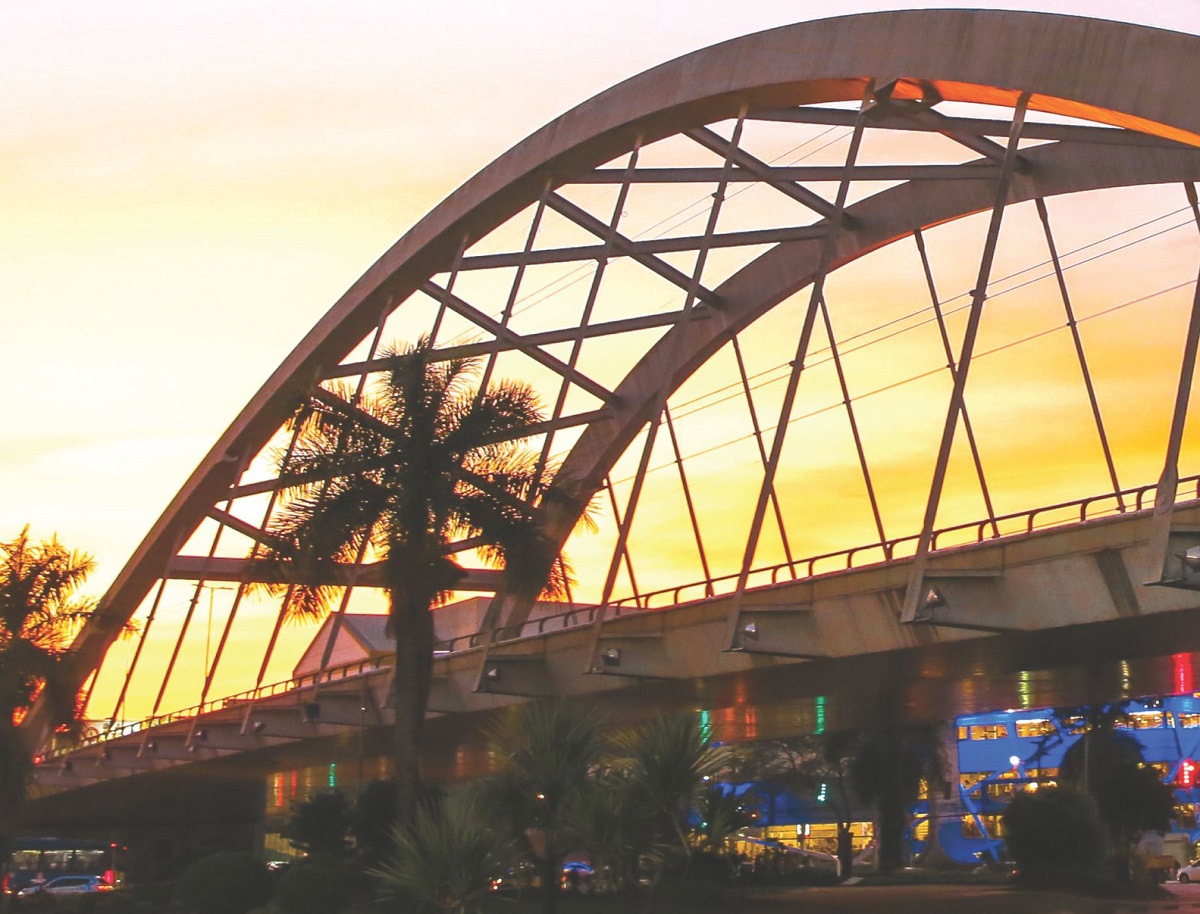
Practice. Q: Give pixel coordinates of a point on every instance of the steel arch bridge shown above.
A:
(871, 289)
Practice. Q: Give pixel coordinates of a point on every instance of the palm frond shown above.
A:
(445, 860)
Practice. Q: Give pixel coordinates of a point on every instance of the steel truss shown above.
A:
(663, 305)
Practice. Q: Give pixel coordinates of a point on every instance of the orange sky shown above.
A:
(187, 188)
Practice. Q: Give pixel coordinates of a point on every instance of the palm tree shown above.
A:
(817, 765)
(1105, 745)
(444, 859)
(1107, 762)
(891, 761)
(39, 613)
(424, 461)
(669, 762)
(549, 752)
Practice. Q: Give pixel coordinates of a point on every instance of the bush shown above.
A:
(1054, 829)
(319, 824)
(317, 887)
(445, 860)
(227, 882)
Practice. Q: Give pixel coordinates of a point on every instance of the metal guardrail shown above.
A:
(1078, 511)
(295, 684)
(1125, 503)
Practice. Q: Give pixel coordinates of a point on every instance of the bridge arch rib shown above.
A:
(1105, 77)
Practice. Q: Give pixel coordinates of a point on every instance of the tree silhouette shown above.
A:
(891, 759)
(548, 752)
(423, 462)
(1107, 762)
(320, 824)
(818, 766)
(40, 611)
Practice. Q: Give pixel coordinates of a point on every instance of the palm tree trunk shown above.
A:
(845, 850)
(16, 766)
(551, 867)
(412, 627)
(892, 820)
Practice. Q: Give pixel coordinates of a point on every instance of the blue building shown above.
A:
(1003, 752)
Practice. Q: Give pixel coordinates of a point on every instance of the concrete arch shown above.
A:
(1107, 73)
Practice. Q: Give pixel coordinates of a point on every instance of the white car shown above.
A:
(1189, 873)
(66, 885)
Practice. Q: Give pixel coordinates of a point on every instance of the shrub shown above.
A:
(227, 882)
(317, 887)
(1052, 829)
(444, 860)
(319, 824)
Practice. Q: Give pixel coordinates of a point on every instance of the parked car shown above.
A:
(1190, 872)
(66, 885)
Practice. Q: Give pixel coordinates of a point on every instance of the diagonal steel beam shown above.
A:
(1168, 483)
(748, 394)
(1066, 133)
(913, 594)
(494, 327)
(1044, 216)
(245, 528)
(548, 338)
(848, 402)
(262, 486)
(713, 141)
(627, 246)
(937, 122)
(259, 571)
(968, 428)
(652, 246)
(816, 293)
(780, 176)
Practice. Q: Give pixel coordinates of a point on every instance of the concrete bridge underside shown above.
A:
(1055, 617)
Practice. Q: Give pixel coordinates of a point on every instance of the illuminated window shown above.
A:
(1000, 789)
(1185, 815)
(1189, 719)
(1027, 728)
(1147, 720)
(967, 781)
(963, 733)
(993, 825)
(989, 731)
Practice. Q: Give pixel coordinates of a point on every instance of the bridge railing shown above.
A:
(1127, 501)
(1076, 511)
(116, 730)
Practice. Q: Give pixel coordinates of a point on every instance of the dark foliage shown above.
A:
(313, 887)
(1054, 828)
(374, 817)
(320, 824)
(227, 882)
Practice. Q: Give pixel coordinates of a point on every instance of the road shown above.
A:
(952, 899)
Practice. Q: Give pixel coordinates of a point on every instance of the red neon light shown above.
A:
(1183, 672)
(1186, 777)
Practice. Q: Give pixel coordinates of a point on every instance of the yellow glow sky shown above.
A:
(187, 187)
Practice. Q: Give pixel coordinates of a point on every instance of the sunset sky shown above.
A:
(187, 187)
